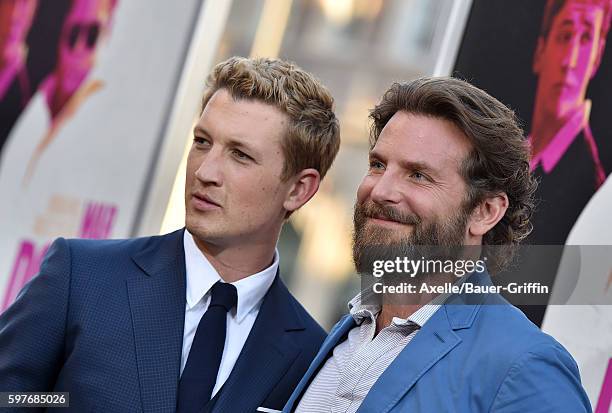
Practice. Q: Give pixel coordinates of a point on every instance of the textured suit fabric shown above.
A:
(103, 320)
(477, 354)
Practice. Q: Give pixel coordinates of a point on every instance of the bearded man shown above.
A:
(448, 167)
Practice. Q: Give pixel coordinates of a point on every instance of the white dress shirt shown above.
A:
(201, 276)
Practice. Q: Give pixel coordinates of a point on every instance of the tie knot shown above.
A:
(223, 295)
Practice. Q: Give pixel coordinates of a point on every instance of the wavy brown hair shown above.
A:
(313, 135)
(497, 163)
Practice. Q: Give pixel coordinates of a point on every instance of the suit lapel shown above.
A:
(337, 334)
(428, 346)
(157, 303)
(436, 339)
(267, 354)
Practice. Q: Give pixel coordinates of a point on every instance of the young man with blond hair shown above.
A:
(199, 319)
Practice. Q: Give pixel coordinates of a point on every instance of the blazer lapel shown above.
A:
(430, 344)
(157, 303)
(436, 339)
(337, 334)
(266, 355)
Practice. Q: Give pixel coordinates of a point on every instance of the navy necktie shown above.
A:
(200, 372)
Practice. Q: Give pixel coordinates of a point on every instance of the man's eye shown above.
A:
(418, 176)
(200, 141)
(564, 37)
(586, 38)
(374, 164)
(241, 155)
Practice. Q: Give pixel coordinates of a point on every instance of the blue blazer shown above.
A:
(104, 321)
(470, 357)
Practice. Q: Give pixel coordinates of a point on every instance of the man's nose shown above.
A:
(570, 60)
(386, 189)
(210, 170)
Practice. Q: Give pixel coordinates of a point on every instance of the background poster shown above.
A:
(548, 61)
(76, 160)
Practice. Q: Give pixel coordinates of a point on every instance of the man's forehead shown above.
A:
(581, 9)
(241, 122)
(420, 139)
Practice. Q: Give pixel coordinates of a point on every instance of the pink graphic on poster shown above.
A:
(605, 396)
(15, 21)
(66, 88)
(87, 22)
(96, 223)
(569, 51)
(27, 263)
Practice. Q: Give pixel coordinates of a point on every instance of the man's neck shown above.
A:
(545, 126)
(390, 311)
(236, 262)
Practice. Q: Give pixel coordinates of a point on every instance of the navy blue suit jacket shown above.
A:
(104, 321)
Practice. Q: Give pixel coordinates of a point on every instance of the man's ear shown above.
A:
(537, 56)
(487, 214)
(305, 185)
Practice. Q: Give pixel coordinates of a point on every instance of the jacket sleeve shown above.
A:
(545, 379)
(32, 329)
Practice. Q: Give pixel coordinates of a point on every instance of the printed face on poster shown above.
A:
(81, 125)
(551, 62)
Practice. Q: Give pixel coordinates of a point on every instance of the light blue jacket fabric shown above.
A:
(476, 354)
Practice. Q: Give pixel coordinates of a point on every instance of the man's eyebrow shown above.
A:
(417, 166)
(406, 164)
(587, 23)
(373, 154)
(236, 143)
(241, 144)
(199, 130)
(583, 20)
(567, 22)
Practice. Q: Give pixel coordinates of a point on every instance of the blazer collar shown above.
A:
(462, 309)
(156, 294)
(434, 340)
(267, 354)
(161, 253)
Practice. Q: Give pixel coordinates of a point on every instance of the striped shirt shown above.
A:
(348, 375)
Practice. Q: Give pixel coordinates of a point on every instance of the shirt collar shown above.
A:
(201, 276)
(558, 145)
(361, 311)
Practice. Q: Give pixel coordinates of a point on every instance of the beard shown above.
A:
(435, 240)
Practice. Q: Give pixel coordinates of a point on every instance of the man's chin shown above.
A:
(200, 230)
(565, 106)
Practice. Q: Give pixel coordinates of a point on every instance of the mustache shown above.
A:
(373, 210)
